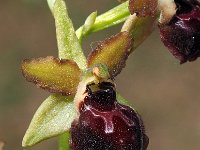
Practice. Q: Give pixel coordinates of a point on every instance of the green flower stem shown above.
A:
(110, 18)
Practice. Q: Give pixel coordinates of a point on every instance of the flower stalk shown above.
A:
(108, 19)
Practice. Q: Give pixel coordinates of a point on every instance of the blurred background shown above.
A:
(164, 92)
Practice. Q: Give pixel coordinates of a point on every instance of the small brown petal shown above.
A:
(112, 52)
(52, 74)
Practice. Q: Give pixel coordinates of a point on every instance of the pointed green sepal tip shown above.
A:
(89, 22)
(67, 41)
(53, 117)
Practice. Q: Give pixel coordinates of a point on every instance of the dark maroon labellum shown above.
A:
(182, 34)
(104, 124)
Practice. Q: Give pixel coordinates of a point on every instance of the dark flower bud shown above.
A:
(182, 34)
(104, 124)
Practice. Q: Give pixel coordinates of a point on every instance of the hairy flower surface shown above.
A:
(182, 34)
(106, 124)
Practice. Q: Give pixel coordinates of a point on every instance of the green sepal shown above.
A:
(53, 117)
(68, 43)
(52, 74)
(113, 52)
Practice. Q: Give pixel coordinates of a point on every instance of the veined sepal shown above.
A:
(67, 41)
(53, 117)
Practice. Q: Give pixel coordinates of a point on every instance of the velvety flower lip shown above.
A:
(105, 124)
(182, 34)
